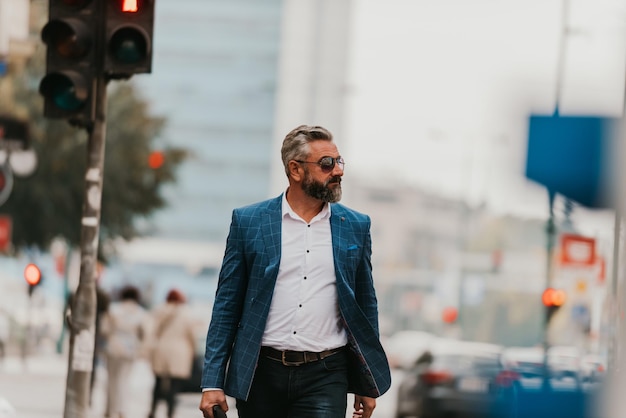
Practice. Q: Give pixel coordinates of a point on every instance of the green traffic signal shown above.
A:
(129, 26)
(71, 37)
(129, 45)
(68, 90)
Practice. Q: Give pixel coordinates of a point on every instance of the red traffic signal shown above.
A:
(128, 34)
(32, 274)
(553, 297)
(130, 6)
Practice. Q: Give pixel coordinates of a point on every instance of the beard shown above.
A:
(321, 191)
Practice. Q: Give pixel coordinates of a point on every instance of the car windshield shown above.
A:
(467, 362)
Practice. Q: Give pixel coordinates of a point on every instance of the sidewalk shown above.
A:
(36, 389)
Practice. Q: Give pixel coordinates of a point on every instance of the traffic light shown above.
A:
(32, 275)
(72, 60)
(128, 37)
(553, 299)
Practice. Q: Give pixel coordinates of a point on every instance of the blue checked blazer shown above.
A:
(246, 285)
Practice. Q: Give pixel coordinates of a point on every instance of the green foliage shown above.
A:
(48, 204)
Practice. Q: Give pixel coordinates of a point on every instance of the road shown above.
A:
(36, 389)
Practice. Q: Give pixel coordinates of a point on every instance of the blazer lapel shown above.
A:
(338, 231)
(272, 228)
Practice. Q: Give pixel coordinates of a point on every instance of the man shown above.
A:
(295, 322)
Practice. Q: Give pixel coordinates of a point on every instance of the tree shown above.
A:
(48, 204)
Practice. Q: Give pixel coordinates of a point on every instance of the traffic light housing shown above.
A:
(128, 37)
(72, 36)
(553, 299)
(32, 275)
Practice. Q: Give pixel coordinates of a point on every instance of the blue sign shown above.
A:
(577, 157)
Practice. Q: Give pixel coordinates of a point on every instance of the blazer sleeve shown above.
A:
(227, 308)
(364, 284)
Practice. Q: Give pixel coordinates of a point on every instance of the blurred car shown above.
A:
(528, 365)
(592, 368)
(564, 362)
(455, 378)
(546, 392)
(404, 347)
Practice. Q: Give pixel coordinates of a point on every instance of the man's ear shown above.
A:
(295, 170)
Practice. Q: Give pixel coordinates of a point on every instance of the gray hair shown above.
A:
(296, 143)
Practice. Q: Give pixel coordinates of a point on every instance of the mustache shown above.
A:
(335, 179)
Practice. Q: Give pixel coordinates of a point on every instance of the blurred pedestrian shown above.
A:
(294, 327)
(173, 349)
(103, 301)
(124, 328)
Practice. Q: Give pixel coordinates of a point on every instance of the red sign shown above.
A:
(5, 233)
(577, 250)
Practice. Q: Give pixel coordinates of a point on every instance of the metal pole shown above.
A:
(83, 311)
(614, 304)
(66, 297)
(550, 238)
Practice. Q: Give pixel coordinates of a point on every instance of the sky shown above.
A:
(440, 91)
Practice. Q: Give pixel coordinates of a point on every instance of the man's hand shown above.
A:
(363, 406)
(211, 398)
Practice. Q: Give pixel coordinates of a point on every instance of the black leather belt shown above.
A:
(297, 358)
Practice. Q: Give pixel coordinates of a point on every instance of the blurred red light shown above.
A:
(506, 378)
(436, 377)
(156, 160)
(553, 297)
(130, 6)
(449, 315)
(32, 274)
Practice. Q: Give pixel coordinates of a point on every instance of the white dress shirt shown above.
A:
(304, 313)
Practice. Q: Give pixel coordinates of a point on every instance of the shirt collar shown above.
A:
(287, 211)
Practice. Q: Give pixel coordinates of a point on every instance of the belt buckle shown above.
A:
(290, 363)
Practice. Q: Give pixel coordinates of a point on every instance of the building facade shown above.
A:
(232, 78)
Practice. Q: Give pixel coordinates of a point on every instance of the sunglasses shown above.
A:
(327, 164)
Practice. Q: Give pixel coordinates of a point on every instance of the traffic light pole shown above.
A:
(83, 310)
(550, 238)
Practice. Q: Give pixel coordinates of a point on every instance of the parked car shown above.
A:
(404, 347)
(593, 368)
(546, 387)
(455, 378)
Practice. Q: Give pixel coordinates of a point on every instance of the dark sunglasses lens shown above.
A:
(327, 163)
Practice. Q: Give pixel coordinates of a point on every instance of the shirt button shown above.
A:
(294, 332)
(304, 277)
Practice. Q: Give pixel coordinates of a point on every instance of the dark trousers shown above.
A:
(312, 390)
(166, 388)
